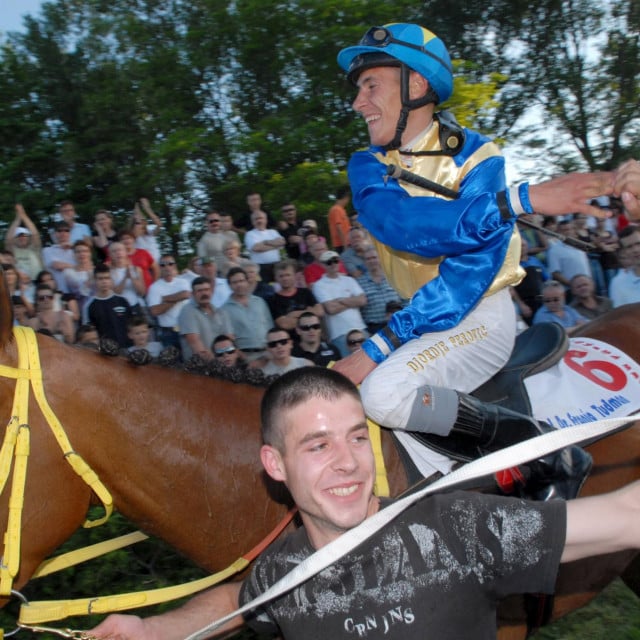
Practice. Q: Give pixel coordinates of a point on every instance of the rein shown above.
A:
(16, 444)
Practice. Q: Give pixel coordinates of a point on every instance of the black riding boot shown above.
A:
(481, 428)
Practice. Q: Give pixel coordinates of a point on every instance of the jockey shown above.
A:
(450, 245)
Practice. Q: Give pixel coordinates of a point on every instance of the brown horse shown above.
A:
(179, 454)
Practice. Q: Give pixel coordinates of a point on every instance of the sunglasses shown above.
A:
(221, 352)
(45, 297)
(309, 327)
(355, 341)
(551, 299)
(381, 37)
(213, 220)
(332, 261)
(167, 264)
(275, 343)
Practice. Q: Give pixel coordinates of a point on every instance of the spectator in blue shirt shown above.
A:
(555, 310)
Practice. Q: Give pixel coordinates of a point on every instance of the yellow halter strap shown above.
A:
(16, 444)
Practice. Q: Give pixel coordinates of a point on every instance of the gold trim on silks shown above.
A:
(408, 272)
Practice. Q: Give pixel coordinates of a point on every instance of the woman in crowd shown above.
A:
(103, 233)
(128, 280)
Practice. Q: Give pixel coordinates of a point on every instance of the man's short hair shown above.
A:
(199, 280)
(137, 321)
(306, 314)
(552, 284)
(344, 190)
(222, 338)
(283, 265)
(277, 330)
(234, 271)
(101, 267)
(295, 388)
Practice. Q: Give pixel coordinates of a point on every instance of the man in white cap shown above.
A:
(342, 298)
(23, 240)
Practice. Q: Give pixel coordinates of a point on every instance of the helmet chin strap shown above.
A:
(408, 105)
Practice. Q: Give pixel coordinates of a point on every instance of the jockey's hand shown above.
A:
(571, 193)
(356, 366)
(121, 627)
(627, 187)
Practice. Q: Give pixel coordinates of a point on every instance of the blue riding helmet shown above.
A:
(399, 44)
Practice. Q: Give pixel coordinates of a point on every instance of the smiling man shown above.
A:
(408, 581)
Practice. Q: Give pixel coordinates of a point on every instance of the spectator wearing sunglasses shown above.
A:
(57, 323)
(342, 298)
(226, 353)
(279, 345)
(355, 339)
(310, 344)
(555, 309)
(166, 298)
(213, 241)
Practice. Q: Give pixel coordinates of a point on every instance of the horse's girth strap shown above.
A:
(381, 485)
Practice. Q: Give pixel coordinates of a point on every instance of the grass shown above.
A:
(613, 615)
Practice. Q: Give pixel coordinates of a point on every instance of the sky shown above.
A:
(11, 12)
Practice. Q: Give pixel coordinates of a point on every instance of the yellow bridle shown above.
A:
(16, 447)
(28, 374)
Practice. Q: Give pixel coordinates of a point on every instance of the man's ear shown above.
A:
(272, 462)
(418, 85)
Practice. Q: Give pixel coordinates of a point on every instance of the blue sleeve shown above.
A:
(469, 233)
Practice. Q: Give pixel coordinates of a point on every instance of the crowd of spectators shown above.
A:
(584, 268)
(273, 292)
(262, 291)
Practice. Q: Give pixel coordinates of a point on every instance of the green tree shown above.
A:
(575, 62)
(190, 104)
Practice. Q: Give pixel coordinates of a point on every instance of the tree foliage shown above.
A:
(574, 63)
(189, 103)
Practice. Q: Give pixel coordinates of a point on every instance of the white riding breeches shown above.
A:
(461, 358)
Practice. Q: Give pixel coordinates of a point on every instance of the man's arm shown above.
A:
(167, 302)
(338, 305)
(180, 623)
(146, 206)
(603, 524)
(197, 346)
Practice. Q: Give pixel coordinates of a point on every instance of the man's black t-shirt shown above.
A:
(436, 571)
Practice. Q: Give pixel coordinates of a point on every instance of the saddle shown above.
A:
(535, 350)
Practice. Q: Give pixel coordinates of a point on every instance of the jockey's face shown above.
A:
(379, 102)
(327, 464)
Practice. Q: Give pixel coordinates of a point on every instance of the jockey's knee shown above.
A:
(384, 403)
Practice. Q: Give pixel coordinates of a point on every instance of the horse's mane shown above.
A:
(214, 369)
(197, 365)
